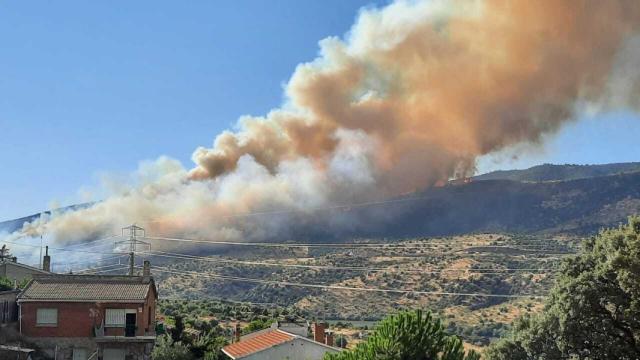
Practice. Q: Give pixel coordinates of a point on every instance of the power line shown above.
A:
(109, 270)
(91, 261)
(223, 301)
(341, 268)
(338, 287)
(386, 246)
(94, 241)
(63, 249)
(133, 242)
(96, 268)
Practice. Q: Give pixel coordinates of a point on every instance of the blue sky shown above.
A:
(87, 87)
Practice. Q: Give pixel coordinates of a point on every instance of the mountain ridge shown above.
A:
(553, 172)
(574, 199)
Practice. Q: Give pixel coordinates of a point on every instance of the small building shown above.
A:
(8, 307)
(301, 329)
(17, 272)
(103, 317)
(276, 344)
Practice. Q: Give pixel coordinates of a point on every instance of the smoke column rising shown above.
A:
(413, 95)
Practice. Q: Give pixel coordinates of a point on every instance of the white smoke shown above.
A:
(413, 96)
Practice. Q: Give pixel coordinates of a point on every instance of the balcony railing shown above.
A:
(128, 335)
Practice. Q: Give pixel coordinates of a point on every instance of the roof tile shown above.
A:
(257, 343)
(86, 287)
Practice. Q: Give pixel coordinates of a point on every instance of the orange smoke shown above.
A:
(438, 84)
(410, 98)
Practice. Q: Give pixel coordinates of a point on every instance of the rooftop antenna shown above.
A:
(133, 231)
(40, 265)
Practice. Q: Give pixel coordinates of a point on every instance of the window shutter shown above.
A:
(47, 317)
(114, 318)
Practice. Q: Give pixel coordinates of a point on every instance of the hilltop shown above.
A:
(551, 172)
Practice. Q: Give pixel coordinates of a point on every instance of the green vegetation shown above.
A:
(593, 311)
(207, 314)
(213, 320)
(178, 343)
(168, 349)
(257, 324)
(408, 335)
(5, 284)
(477, 320)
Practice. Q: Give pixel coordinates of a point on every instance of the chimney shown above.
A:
(146, 270)
(328, 340)
(318, 332)
(236, 333)
(46, 260)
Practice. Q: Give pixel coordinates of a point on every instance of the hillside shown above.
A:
(579, 206)
(551, 172)
(481, 263)
(573, 207)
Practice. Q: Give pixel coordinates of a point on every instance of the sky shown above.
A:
(88, 88)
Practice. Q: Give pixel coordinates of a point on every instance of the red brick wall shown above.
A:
(144, 327)
(78, 319)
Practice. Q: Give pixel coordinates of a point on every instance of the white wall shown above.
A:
(296, 349)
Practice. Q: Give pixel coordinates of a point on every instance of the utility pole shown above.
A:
(40, 252)
(133, 231)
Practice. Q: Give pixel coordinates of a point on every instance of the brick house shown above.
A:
(103, 317)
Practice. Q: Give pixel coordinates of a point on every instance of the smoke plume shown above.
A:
(413, 95)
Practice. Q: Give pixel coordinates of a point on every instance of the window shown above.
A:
(79, 354)
(114, 318)
(47, 317)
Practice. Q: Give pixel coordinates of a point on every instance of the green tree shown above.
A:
(167, 349)
(408, 336)
(593, 310)
(176, 333)
(257, 324)
(208, 346)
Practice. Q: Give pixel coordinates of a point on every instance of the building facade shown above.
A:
(78, 317)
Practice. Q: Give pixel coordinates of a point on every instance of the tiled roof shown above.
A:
(257, 343)
(86, 288)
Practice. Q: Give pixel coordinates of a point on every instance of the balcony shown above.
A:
(125, 339)
(126, 334)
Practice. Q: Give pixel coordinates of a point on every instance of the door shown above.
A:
(130, 325)
(113, 354)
